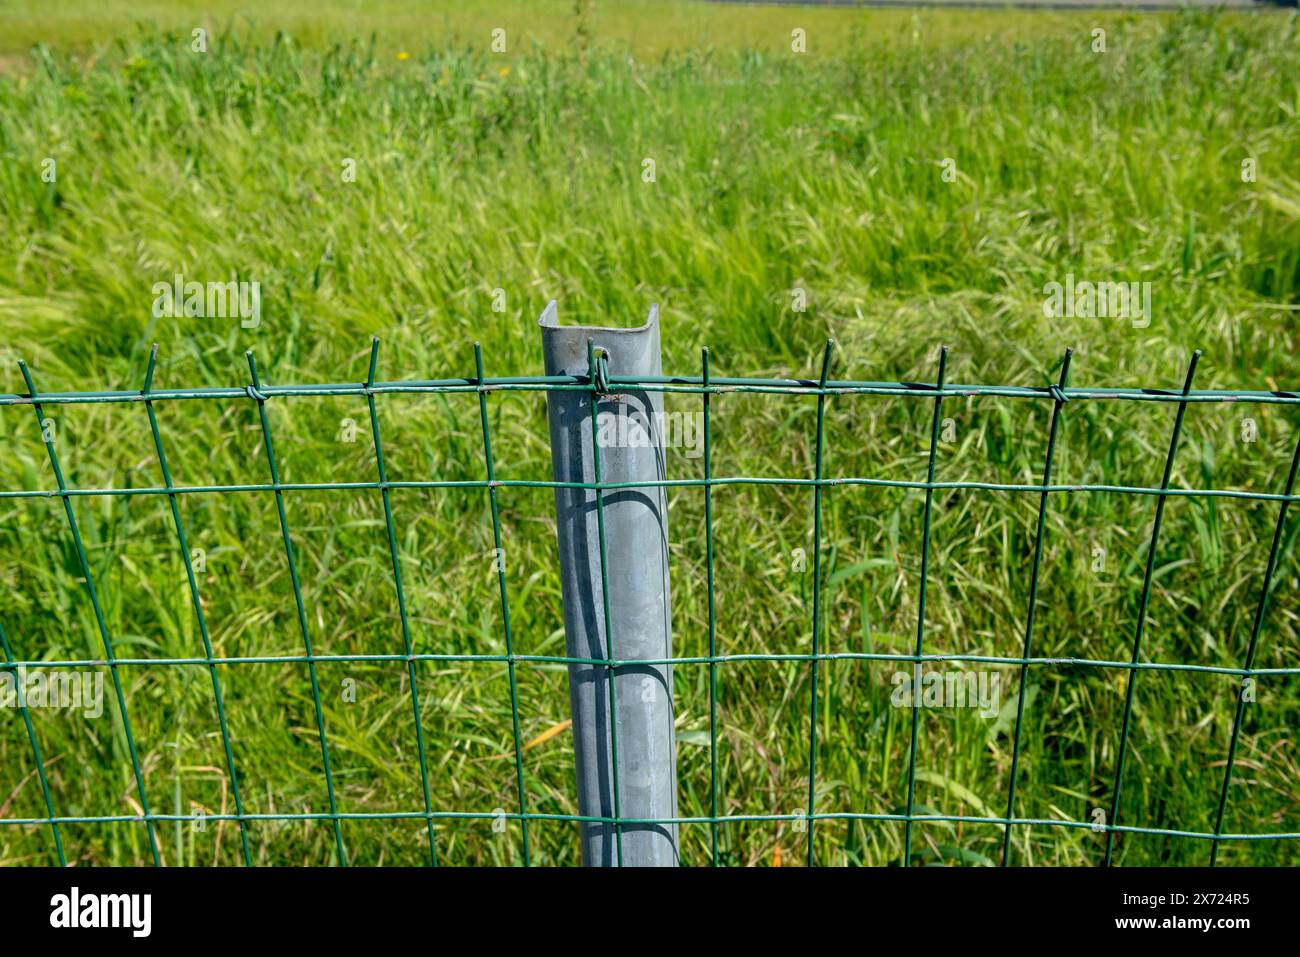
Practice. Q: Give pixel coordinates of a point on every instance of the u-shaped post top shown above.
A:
(632, 351)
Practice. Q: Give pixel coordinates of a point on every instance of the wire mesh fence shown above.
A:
(706, 388)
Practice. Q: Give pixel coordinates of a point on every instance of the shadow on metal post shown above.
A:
(618, 537)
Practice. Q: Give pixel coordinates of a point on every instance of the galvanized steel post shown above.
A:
(613, 546)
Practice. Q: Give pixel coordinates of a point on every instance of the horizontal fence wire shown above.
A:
(600, 383)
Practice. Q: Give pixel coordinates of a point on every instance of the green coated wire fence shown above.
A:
(707, 387)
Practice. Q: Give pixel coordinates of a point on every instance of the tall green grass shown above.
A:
(773, 171)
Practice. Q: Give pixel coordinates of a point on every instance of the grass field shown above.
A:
(523, 172)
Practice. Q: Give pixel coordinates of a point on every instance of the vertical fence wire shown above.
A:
(1059, 400)
(48, 439)
(197, 603)
(811, 819)
(1265, 588)
(511, 662)
(920, 614)
(713, 613)
(407, 647)
(1131, 683)
(255, 393)
(599, 376)
(36, 754)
